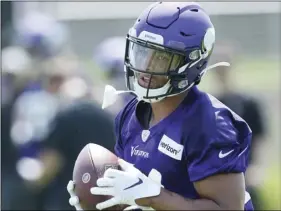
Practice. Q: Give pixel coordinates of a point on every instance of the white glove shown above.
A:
(74, 200)
(126, 186)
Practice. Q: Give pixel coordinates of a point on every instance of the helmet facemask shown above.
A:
(154, 72)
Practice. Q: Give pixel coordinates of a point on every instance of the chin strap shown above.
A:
(111, 94)
(226, 64)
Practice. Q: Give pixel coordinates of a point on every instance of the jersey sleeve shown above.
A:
(221, 151)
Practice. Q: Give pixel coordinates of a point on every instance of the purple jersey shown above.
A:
(202, 137)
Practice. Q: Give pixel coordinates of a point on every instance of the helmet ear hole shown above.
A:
(176, 80)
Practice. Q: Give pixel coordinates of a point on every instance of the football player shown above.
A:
(179, 148)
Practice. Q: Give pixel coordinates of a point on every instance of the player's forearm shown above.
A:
(171, 201)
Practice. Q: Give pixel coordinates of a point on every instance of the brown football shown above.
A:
(90, 165)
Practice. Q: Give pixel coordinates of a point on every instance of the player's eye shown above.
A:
(163, 56)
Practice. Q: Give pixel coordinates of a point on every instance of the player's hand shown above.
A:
(126, 186)
(73, 200)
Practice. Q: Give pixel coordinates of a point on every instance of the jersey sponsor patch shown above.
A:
(171, 148)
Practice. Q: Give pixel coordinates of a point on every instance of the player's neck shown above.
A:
(162, 109)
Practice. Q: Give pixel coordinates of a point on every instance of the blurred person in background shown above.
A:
(53, 118)
(79, 122)
(109, 57)
(248, 108)
(47, 42)
(16, 65)
(40, 43)
(42, 36)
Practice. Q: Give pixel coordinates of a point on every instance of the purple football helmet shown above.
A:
(171, 39)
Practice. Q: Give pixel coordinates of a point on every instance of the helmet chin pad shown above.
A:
(150, 95)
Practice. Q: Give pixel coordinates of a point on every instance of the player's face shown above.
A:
(151, 63)
(153, 82)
